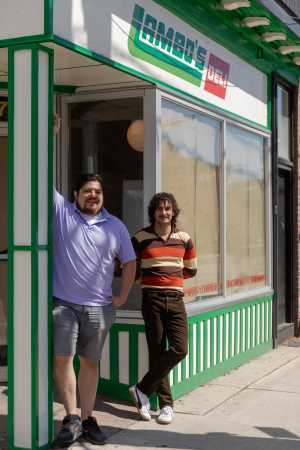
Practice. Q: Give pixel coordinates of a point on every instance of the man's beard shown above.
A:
(89, 210)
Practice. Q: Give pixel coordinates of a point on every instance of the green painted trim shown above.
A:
(209, 374)
(58, 88)
(10, 272)
(22, 248)
(97, 57)
(223, 27)
(26, 40)
(34, 256)
(65, 89)
(235, 357)
(50, 246)
(236, 306)
(48, 17)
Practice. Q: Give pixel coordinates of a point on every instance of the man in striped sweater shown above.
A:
(165, 257)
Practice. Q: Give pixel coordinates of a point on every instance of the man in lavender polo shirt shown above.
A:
(87, 242)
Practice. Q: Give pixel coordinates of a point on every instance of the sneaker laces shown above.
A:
(166, 411)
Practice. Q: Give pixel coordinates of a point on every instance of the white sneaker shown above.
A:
(166, 415)
(141, 402)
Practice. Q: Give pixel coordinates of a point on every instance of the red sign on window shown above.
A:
(217, 76)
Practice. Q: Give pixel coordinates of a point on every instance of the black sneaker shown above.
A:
(70, 431)
(91, 431)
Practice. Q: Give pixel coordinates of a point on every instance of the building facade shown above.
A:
(196, 98)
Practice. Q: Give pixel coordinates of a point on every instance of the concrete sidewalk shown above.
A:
(254, 407)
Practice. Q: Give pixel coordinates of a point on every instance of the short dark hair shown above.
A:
(163, 197)
(85, 178)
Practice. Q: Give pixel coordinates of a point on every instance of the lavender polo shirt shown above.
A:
(84, 253)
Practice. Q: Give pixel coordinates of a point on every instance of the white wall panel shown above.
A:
(143, 356)
(22, 148)
(105, 362)
(43, 346)
(123, 357)
(21, 18)
(43, 149)
(22, 349)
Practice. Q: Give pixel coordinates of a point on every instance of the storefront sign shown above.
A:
(160, 44)
(145, 38)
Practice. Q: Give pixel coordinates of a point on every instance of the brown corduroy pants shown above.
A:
(167, 338)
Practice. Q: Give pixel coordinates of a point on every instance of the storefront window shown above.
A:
(246, 235)
(99, 143)
(283, 123)
(190, 170)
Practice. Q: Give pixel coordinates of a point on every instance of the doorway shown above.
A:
(284, 241)
(284, 291)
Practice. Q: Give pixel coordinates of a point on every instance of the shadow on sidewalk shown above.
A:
(278, 439)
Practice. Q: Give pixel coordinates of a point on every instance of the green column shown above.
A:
(30, 241)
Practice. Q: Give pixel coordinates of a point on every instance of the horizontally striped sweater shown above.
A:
(164, 264)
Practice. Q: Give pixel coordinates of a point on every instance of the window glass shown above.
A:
(190, 171)
(99, 143)
(246, 236)
(283, 123)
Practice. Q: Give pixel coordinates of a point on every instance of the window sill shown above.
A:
(199, 306)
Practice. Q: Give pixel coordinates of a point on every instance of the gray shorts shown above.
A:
(81, 330)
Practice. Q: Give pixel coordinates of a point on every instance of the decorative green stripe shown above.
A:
(97, 57)
(48, 17)
(25, 40)
(213, 372)
(65, 88)
(59, 88)
(10, 272)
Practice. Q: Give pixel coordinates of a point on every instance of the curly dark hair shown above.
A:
(163, 197)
